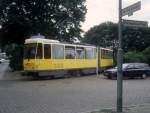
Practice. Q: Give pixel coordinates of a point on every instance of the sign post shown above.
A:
(135, 23)
(131, 9)
(97, 67)
(119, 62)
(122, 12)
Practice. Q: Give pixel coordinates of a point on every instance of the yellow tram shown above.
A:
(43, 57)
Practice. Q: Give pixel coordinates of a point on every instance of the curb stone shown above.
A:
(142, 108)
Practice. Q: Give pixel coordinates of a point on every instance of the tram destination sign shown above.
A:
(135, 23)
(131, 9)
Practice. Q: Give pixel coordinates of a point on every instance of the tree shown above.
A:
(136, 39)
(146, 52)
(134, 56)
(15, 54)
(106, 35)
(56, 19)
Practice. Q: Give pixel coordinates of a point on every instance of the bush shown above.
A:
(15, 53)
(146, 52)
(135, 57)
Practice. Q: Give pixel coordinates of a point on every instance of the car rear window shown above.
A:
(141, 66)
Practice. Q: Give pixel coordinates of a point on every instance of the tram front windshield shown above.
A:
(30, 51)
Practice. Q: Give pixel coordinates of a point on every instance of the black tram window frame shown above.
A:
(47, 51)
(39, 52)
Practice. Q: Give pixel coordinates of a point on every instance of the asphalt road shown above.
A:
(73, 95)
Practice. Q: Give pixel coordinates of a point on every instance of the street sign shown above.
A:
(131, 9)
(135, 23)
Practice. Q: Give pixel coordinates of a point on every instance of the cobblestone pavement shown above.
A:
(73, 95)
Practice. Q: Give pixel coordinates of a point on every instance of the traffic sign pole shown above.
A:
(119, 62)
(122, 12)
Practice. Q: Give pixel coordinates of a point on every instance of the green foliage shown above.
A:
(136, 39)
(15, 53)
(55, 19)
(103, 35)
(106, 35)
(134, 57)
(146, 52)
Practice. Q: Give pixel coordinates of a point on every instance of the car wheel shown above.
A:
(109, 77)
(143, 76)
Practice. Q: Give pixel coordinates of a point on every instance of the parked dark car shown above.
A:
(2, 60)
(130, 70)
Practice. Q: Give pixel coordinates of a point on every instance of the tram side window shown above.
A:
(90, 53)
(47, 51)
(58, 51)
(94, 50)
(80, 53)
(39, 51)
(70, 52)
(111, 54)
(103, 54)
(106, 54)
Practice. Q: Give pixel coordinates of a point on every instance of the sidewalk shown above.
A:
(144, 108)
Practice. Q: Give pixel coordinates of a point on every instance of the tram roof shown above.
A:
(40, 40)
(48, 41)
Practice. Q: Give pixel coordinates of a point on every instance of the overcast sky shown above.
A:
(99, 11)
